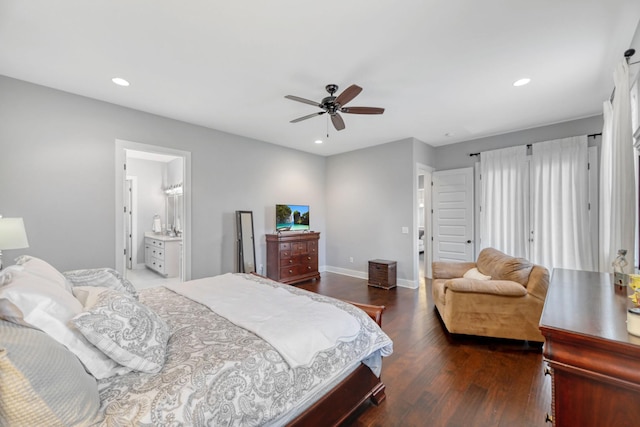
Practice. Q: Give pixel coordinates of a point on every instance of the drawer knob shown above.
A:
(290, 271)
(548, 418)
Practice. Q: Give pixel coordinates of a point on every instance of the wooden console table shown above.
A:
(593, 360)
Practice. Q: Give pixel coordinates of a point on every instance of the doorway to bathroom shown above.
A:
(153, 226)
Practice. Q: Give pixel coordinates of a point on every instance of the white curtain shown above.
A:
(559, 207)
(617, 177)
(504, 216)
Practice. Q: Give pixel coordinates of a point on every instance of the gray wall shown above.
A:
(57, 171)
(371, 195)
(456, 156)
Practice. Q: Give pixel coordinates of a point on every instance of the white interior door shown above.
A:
(453, 215)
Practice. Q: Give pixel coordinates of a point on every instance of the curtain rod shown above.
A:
(592, 135)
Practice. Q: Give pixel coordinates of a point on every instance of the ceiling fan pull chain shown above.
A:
(327, 126)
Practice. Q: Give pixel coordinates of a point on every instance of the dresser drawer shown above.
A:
(289, 261)
(154, 242)
(309, 259)
(156, 253)
(292, 271)
(157, 265)
(285, 254)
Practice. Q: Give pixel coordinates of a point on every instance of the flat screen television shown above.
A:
(292, 217)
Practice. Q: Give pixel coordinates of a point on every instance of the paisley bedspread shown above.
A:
(219, 374)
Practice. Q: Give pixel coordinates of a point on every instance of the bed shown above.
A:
(209, 356)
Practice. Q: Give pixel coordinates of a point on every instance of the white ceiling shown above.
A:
(438, 67)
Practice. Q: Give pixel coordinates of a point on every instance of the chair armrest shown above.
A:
(493, 287)
(538, 283)
(450, 270)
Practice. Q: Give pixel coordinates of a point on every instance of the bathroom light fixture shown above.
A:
(522, 82)
(318, 141)
(120, 81)
(12, 235)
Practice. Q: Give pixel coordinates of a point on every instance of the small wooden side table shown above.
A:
(382, 273)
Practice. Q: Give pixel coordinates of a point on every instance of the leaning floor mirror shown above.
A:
(246, 246)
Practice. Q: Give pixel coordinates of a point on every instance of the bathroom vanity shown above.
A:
(162, 253)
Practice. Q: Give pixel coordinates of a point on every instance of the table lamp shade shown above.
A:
(12, 234)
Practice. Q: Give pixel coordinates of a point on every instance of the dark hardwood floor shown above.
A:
(436, 379)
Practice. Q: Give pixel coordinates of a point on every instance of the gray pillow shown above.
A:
(101, 277)
(126, 330)
(41, 382)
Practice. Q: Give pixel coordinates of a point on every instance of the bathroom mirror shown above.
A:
(246, 246)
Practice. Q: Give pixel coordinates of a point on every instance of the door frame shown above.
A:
(133, 218)
(120, 183)
(427, 171)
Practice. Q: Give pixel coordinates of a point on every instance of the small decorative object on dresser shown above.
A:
(292, 257)
(382, 273)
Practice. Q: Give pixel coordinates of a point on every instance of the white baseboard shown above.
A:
(403, 283)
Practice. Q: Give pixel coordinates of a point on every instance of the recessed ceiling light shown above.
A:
(522, 82)
(119, 81)
(318, 141)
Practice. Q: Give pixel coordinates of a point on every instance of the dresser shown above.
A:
(292, 257)
(593, 361)
(162, 254)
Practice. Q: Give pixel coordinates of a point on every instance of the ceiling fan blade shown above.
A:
(306, 101)
(299, 119)
(348, 94)
(337, 121)
(362, 110)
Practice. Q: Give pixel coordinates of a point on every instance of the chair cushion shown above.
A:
(500, 266)
(494, 287)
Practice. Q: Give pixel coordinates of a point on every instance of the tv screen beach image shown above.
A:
(292, 217)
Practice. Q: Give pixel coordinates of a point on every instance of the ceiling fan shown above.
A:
(335, 105)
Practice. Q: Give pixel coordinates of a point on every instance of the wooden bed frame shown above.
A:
(343, 400)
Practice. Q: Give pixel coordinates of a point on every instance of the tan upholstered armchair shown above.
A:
(508, 305)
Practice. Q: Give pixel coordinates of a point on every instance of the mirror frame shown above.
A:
(241, 241)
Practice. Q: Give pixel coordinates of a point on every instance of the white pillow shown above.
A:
(126, 330)
(88, 295)
(43, 269)
(31, 300)
(475, 274)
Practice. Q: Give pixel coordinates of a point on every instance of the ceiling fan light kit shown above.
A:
(334, 105)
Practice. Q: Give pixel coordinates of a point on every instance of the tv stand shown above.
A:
(292, 257)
